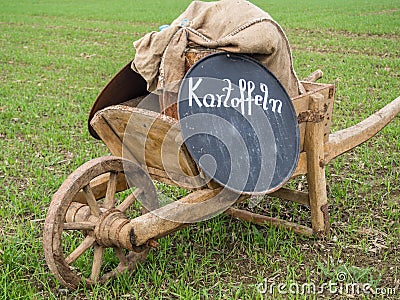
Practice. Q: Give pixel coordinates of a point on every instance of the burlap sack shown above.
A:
(229, 25)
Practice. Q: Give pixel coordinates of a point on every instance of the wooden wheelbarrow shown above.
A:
(96, 210)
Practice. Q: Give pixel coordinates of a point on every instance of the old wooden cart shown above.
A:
(86, 204)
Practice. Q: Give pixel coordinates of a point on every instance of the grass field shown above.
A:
(56, 56)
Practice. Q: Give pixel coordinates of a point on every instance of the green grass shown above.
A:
(55, 58)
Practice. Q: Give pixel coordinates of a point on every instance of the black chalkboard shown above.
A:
(239, 123)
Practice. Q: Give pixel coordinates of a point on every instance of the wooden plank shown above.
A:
(107, 135)
(158, 136)
(301, 104)
(315, 171)
(153, 140)
(313, 87)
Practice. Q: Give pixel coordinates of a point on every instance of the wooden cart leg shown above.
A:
(314, 146)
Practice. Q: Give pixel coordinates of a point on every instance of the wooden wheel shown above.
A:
(85, 217)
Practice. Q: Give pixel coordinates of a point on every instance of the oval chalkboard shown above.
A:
(239, 123)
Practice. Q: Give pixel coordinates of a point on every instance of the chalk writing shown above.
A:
(225, 98)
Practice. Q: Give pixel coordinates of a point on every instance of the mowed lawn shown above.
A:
(56, 56)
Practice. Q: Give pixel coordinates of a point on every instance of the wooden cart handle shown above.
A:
(346, 139)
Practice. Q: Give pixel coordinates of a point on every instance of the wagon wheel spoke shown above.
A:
(111, 189)
(122, 266)
(123, 207)
(121, 256)
(91, 200)
(118, 270)
(82, 248)
(127, 262)
(78, 226)
(97, 261)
